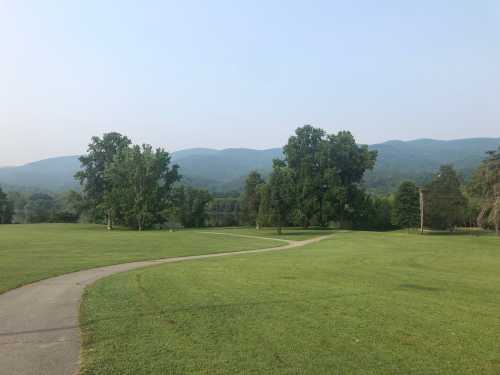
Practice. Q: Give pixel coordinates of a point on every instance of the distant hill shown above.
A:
(417, 160)
(225, 170)
(54, 174)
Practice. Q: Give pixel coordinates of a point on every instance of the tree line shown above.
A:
(317, 182)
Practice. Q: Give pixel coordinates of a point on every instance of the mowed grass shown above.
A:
(360, 303)
(33, 252)
(291, 234)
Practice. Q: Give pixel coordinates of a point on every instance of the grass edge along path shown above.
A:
(53, 316)
(360, 302)
(34, 252)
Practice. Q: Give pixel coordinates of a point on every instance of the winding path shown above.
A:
(39, 332)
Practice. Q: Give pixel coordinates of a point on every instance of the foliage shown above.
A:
(281, 195)
(370, 212)
(303, 155)
(223, 212)
(406, 211)
(190, 206)
(326, 170)
(485, 186)
(319, 178)
(263, 217)
(40, 208)
(445, 203)
(250, 199)
(6, 208)
(96, 188)
(141, 181)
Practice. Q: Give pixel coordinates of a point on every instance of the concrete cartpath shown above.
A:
(39, 332)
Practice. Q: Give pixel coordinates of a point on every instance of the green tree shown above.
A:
(250, 198)
(263, 219)
(303, 155)
(485, 186)
(95, 187)
(224, 211)
(343, 164)
(445, 203)
(406, 211)
(370, 212)
(141, 180)
(190, 206)
(327, 170)
(281, 195)
(40, 208)
(6, 208)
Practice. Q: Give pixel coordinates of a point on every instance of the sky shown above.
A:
(219, 74)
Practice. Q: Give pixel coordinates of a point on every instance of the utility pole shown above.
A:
(422, 207)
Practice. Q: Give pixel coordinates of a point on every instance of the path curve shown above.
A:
(39, 332)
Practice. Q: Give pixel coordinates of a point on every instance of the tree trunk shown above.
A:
(279, 230)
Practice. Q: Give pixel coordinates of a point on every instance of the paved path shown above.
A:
(39, 332)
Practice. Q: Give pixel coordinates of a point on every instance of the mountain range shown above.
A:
(225, 170)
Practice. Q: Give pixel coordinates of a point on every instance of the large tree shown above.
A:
(141, 180)
(445, 203)
(303, 155)
(327, 170)
(406, 210)
(485, 185)
(6, 208)
(281, 195)
(251, 199)
(343, 164)
(95, 187)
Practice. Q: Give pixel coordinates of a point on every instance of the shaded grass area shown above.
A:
(359, 303)
(33, 252)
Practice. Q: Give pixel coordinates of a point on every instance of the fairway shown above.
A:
(289, 234)
(37, 251)
(361, 302)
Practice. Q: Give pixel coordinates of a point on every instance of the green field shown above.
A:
(290, 234)
(361, 303)
(37, 251)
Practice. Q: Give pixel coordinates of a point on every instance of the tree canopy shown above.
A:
(406, 210)
(485, 185)
(6, 208)
(95, 187)
(445, 203)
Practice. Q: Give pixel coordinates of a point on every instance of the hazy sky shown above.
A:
(243, 73)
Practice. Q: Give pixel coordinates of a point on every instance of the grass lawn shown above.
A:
(361, 303)
(292, 234)
(32, 252)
